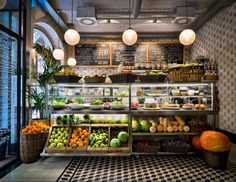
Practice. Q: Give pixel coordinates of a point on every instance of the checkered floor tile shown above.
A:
(145, 168)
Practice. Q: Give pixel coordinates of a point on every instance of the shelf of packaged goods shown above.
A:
(84, 154)
(163, 153)
(163, 134)
(172, 112)
(88, 111)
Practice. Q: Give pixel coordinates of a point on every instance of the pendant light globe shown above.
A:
(187, 37)
(129, 37)
(72, 37)
(71, 61)
(58, 54)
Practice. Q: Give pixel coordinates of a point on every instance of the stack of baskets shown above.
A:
(186, 73)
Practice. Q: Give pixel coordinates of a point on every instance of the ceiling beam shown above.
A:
(48, 8)
(220, 4)
(118, 35)
(136, 8)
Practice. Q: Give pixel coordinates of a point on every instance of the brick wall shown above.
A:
(217, 40)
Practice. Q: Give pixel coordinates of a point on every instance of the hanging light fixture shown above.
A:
(187, 36)
(71, 36)
(3, 3)
(129, 36)
(58, 53)
(71, 61)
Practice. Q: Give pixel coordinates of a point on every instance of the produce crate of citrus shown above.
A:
(35, 128)
(58, 139)
(78, 139)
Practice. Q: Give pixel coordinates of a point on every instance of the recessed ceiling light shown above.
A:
(149, 21)
(158, 21)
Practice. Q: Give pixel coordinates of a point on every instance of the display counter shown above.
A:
(125, 119)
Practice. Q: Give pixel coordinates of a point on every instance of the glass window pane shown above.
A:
(8, 86)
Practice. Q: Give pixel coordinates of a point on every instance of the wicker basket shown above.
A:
(186, 73)
(152, 78)
(95, 79)
(30, 147)
(123, 78)
(66, 78)
(146, 149)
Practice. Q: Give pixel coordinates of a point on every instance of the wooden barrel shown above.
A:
(30, 146)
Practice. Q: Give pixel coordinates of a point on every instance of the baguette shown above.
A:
(175, 128)
(165, 124)
(180, 120)
(186, 128)
(159, 128)
(170, 129)
(181, 128)
(174, 123)
(161, 120)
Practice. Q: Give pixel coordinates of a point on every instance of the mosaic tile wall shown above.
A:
(217, 40)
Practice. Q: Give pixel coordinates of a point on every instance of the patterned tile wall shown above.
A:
(217, 41)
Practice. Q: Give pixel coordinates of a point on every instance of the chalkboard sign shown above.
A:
(92, 54)
(169, 53)
(124, 53)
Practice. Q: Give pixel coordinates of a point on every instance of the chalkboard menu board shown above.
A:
(169, 53)
(124, 53)
(92, 54)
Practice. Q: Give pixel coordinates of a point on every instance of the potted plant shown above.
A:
(216, 147)
(50, 67)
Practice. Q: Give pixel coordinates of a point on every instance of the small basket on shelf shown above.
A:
(66, 78)
(186, 73)
(123, 78)
(160, 78)
(95, 79)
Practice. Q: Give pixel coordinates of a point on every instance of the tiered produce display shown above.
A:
(128, 118)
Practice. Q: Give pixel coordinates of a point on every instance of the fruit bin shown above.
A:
(55, 134)
(115, 131)
(95, 144)
(78, 140)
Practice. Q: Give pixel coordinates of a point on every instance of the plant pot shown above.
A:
(216, 160)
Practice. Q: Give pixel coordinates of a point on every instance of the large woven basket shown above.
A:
(30, 146)
(66, 78)
(152, 78)
(123, 78)
(186, 73)
(95, 79)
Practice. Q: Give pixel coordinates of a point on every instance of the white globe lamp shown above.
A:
(72, 37)
(71, 61)
(3, 3)
(129, 37)
(187, 37)
(58, 54)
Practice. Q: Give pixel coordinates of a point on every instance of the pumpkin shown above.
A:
(196, 143)
(214, 141)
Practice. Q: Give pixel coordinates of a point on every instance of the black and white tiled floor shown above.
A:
(145, 168)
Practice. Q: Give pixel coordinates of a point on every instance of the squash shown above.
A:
(196, 143)
(214, 141)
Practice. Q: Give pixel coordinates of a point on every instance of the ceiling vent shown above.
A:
(181, 18)
(86, 16)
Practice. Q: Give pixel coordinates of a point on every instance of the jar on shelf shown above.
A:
(107, 92)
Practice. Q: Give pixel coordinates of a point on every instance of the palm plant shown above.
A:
(50, 67)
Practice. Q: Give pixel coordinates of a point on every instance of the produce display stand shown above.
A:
(126, 150)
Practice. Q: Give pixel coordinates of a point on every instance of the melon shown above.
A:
(214, 141)
(196, 143)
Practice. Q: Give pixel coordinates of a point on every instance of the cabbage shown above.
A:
(115, 142)
(123, 137)
(145, 125)
(135, 126)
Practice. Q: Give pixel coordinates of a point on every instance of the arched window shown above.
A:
(40, 38)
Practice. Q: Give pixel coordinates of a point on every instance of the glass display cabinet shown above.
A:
(125, 119)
